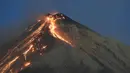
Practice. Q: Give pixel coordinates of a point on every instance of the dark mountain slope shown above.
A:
(92, 53)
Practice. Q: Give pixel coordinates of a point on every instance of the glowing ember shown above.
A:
(33, 49)
(27, 64)
(44, 47)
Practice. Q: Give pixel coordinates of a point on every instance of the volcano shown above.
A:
(58, 44)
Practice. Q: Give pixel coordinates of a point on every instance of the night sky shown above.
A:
(108, 17)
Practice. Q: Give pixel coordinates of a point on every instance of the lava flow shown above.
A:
(26, 52)
(8, 65)
(57, 33)
(34, 42)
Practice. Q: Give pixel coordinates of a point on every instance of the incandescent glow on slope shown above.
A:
(55, 33)
(8, 65)
(30, 45)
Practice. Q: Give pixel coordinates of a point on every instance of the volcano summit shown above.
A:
(65, 46)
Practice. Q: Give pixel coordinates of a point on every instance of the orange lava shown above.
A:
(8, 65)
(56, 33)
(27, 64)
(26, 52)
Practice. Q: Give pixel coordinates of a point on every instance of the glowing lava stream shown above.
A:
(55, 33)
(8, 65)
(26, 52)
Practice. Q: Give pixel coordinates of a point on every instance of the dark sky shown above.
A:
(108, 17)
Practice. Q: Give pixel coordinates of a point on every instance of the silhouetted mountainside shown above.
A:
(92, 53)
